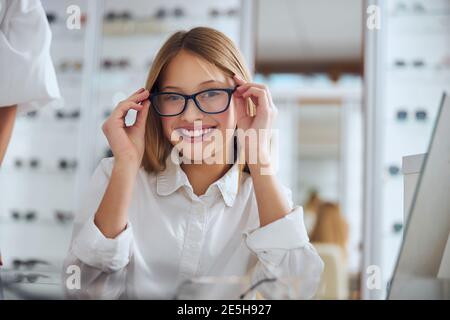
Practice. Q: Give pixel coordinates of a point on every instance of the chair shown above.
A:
(335, 281)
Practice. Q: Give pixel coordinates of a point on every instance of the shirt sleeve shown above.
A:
(28, 77)
(285, 254)
(94, 249)
(102, 261)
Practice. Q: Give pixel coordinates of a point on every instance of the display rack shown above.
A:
(407, 70)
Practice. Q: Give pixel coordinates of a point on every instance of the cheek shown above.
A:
(226, 120)
(227, 123)
(167, 124)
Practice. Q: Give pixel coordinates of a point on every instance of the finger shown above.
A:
(238, 80)
(250, 84)
(135, 93)
(242, 83)
(122, 109)
(258, 96)
(247, 85)
(139, 96)
(265, 100)
(260, 100)
(242, 103)
(141, 118)
(138, 91)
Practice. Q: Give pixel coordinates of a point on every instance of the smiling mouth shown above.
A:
(191, 135)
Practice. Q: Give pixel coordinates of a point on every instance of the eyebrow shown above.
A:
(204, 82)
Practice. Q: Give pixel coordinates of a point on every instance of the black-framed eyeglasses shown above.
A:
(211, 101)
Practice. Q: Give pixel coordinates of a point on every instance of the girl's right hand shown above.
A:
(127, 143)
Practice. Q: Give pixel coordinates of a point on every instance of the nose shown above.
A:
(191, 113)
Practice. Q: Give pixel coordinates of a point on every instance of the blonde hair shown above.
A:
(313, 202)
(207, 43)
(331, 226)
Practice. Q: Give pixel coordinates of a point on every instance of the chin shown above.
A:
(199, 152)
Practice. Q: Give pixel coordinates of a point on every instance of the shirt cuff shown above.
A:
(271, 242)
(94, 249)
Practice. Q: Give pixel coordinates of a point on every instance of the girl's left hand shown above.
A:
(266, 113)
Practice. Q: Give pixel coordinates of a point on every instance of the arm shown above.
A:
(94, 266)
(127, 145)
(284, 253)
(7, 119)
(272, 202)
(101, 245)
(116, 199)
(281, 242)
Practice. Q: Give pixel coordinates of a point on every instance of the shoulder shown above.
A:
(106, 165)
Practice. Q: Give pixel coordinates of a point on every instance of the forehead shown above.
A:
(187, 70)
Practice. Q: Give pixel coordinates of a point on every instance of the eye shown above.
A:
(172, 97)
(210, 94)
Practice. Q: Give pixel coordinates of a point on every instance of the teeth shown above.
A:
(194, 133)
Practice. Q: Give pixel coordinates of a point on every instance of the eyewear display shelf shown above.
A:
(412, 64)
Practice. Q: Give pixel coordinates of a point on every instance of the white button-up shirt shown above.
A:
(173, 235)
(27, 74)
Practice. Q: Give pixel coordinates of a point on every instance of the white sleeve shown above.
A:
(27, 74)
(102, 261)
(285, 253)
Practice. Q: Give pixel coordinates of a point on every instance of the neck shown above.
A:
(201, 176)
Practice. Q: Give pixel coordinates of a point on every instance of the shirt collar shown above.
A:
(173, 177)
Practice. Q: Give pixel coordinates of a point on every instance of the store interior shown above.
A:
(323, 66)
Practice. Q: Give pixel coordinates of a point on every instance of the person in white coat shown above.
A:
(27, 75)
(156, 216)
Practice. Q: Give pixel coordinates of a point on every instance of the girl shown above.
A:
(153, 220)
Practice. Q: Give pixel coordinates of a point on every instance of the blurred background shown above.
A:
(353, 100)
